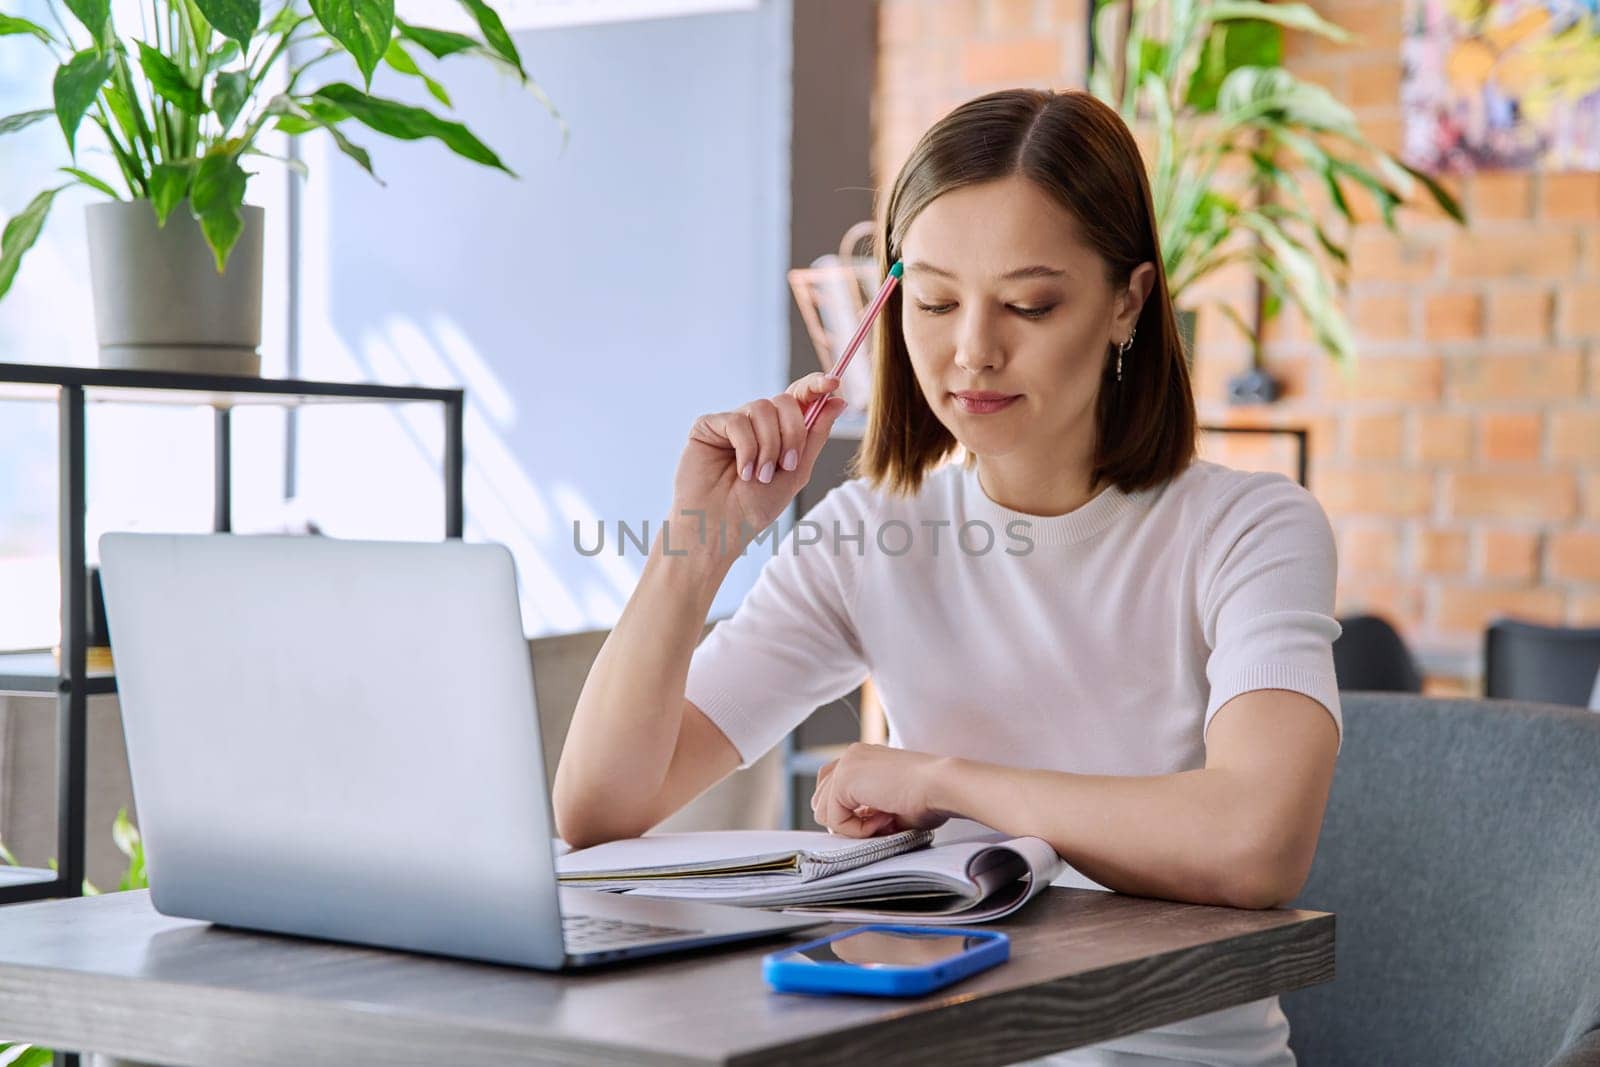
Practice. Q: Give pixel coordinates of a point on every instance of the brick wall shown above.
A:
(1459, 455)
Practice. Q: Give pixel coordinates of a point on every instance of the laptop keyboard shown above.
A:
(591, 932)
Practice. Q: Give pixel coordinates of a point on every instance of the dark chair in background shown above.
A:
(1549, 664)
(1370, 655)
(1461, 854)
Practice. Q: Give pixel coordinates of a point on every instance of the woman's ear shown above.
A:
(1131, 301)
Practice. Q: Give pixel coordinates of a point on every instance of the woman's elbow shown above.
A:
(1266, 877)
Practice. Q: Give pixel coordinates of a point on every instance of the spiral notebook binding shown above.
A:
(820, 865)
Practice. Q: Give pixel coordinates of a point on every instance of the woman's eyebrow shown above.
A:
(1037, 270)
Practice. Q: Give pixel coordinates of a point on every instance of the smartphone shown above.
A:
(885, 960)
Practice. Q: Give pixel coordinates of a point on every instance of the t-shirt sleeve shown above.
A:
(1268, 572)
(791, 646)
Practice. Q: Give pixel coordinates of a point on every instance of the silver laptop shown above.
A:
(339, 739)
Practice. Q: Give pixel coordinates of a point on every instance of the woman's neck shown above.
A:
(1027, 488)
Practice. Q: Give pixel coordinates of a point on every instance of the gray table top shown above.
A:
(111, 974)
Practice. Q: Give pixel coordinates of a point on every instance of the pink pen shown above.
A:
(837, 370)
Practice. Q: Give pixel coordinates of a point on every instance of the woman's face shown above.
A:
(1009, 318)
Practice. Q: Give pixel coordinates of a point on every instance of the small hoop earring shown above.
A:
(1122, 350)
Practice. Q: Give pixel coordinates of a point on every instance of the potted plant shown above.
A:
(1235, 135)
(175, 253)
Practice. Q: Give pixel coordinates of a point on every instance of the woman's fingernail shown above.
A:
(791, 460)
(766, 473)
(745, 474)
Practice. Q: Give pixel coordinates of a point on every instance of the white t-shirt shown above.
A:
(1097, 642)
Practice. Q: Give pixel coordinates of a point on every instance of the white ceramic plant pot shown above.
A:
(159, 303)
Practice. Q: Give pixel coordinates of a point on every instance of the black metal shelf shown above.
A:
(38, 672)
(71, 389)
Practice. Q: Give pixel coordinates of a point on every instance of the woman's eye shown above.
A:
(1027, 313)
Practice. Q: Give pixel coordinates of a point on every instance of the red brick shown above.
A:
(1031, 59)
(1510, 436)
(1376, 25)
(1550, 496)
(1591, 496)
(1519, 314)
(1575, 435)
(1443, 437)
(1468, 609)
(1452, 317)
(1397, 378)
(1501, 194)
(1374, 85)
(951, 20)
(1580, 311)
(1066, 14)
(1374, 436)
(1583, 608)
(1440, 551)
(1591, 253)
(1553, 375)
(1383, 318)
(1574, 555)
(1509, 554)
(1007, 16)
(1520, 253)
(1398, 601)
(1572, 196)
(1377, 255)
(1374, 492)
(1368, 548)
(1386, 134)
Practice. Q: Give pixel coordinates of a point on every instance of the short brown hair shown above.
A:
(1079, 151)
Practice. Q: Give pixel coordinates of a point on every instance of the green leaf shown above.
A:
(217, 197)
(409, 123)
(494, 32)
(314, 116)
(222, 56)
(399, 59)
(22, 120)
(20, 234)
(124, 834)
(1441, 196)
(237, 19)
(362, 26)
(438, 43)
(168, 81)
(34, 1057)
(229, 93)
(94, 14)
(77, 83)
(1289, 16)
(10, 24)
(6, 856)
(287, 20)
(169, 184)
(298, 166)
(91, 181)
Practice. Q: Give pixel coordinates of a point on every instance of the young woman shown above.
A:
(1079, 632)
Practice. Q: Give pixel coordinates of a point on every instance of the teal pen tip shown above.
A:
(898, 269)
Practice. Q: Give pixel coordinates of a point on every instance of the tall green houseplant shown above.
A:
(182, 103)
(1236, 139)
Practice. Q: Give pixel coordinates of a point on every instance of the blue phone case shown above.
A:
(787, 974)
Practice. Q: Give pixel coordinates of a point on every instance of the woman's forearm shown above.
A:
(625, 726)
(1194, 836)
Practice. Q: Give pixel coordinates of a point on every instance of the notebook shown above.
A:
(977, 879)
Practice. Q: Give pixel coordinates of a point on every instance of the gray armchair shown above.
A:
(1461, 852)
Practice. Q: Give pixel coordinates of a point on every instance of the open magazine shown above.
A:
(976, 879)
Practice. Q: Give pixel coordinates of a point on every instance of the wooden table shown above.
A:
(110, 974)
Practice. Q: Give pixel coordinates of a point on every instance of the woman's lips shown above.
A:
(984, 403)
